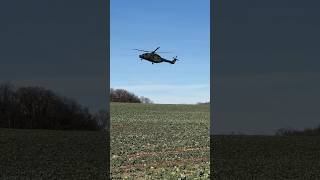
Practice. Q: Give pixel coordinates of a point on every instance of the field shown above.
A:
(266, 157)
(159, 141)
(48, 154)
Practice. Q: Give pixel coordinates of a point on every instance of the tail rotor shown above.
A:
(175, 59)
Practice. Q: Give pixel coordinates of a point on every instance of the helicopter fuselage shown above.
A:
(152, 57)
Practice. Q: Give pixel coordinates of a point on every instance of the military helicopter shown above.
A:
(153, 57)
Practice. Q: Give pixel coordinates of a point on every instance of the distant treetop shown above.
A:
(122, 95)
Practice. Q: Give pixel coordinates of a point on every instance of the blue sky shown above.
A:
(181, 27)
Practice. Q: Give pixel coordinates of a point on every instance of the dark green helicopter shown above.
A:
(153, 57)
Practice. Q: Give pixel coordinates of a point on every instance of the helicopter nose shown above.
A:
(140, 56)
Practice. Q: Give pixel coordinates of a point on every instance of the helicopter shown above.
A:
(153, 57)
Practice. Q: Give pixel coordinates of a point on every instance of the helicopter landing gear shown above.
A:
(152, 63)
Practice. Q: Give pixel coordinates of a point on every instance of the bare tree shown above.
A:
(37, 107)
(122, 95)
(145, 100)
(102, 117)
(7, 103)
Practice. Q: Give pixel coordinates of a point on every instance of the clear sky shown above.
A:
(181, 27)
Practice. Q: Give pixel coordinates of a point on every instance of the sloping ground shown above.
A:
(159, 141)
(48, 154)
(266, 157)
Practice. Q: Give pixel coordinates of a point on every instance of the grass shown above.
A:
(49, 154)
(152, 141)
(266, 157)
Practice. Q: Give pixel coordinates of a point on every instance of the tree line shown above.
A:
(293, 132)
(122, 95)
(35, 107)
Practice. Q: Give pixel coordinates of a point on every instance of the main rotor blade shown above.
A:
(164, 52)
(140, 50)
(155, 50)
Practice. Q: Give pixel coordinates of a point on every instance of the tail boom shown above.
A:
(171, 62)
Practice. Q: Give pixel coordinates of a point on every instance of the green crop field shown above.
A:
(152, 141)
(266, 157)
(49, 154)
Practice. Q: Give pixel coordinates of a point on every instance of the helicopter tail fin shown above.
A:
(174, 60)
